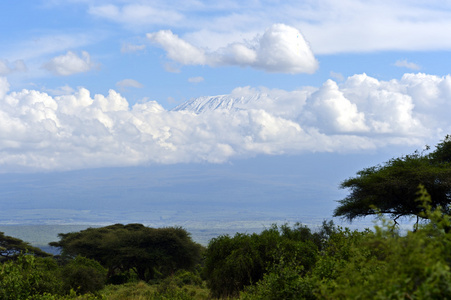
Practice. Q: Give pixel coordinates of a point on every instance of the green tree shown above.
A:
(149, 252)
(11, 247)
(391, 188)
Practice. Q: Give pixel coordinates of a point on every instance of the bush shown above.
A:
(84, 275)
(231, 264)
(386, 265)
(28, 277)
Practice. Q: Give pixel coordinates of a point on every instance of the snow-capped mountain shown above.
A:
(276, 102)
(223, 102)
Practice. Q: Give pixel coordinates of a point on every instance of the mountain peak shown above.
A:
(220, 102)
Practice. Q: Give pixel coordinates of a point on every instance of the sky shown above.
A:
(95, 85)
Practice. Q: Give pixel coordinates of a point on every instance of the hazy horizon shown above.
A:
(278, 102)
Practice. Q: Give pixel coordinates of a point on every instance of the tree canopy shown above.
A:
(11, 247)
(148, 252)
(391, 188)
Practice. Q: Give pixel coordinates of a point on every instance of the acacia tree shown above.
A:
(144, 250)
(11, 247)
(391, 188)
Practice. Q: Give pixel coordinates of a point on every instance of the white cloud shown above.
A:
(80, 130)
(69, 64)
(62, 90)
(337, 76)
(196, 79)
(178, 49)
(281, 49)
(129, 83)
(7, 68)
(4, 87)
(330, 26)
(4, 68)
(136, 14)
(41, 46)
(333, 112)
(130, 48)
(405, 64)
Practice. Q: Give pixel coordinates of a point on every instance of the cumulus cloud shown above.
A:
(281, 49)
(80, 130)
(405, 64)
(333, 112)
(129, 83)
(69, 64)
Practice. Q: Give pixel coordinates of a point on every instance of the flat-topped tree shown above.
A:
(11, 247)
(149, 252)
(392, 188)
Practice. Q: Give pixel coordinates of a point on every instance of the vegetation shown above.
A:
(391, 188)
(282, 262)
(151, 253)
(232, 263)
(11, 247)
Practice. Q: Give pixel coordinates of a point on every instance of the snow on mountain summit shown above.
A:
(224, 102)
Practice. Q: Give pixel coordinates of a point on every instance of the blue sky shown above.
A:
(91, 84)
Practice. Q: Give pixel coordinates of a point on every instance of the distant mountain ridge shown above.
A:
(222, 102)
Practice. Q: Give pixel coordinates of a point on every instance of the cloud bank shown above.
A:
(281, 49)
(80, 130)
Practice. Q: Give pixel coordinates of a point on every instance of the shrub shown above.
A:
(387, 265)
(231, 264)
(84, 275)
(28, 277)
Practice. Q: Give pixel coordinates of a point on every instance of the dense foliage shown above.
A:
(391, 188)
(231, 263)
(30, 277)
(149, 252)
